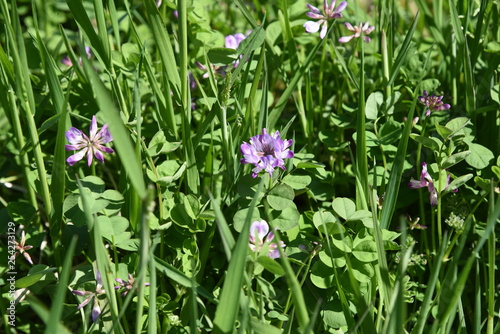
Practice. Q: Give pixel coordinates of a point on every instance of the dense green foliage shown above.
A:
(383, 221)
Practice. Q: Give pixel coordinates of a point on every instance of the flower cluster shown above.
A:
(127, 285)
(433, 102)
(99, 290)
(427, 181)
(329, 12)
(91, 145)
(266, 152)
(260, 235)
(361, 28)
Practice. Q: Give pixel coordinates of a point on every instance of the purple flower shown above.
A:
(96, 309)
(92, 145)
(366, 29)
(127, 285)
(427, 181)
(21, 248)
(329, 12)
(266, 152)
(433, 102)
(259, 235)
(233, 41)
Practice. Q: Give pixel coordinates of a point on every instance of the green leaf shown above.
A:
(322, 275)
(297, 182)
(35, 275)
(455, 159)
(289, 218)
(240, 216)
(390, 132)
(281, 197)
(222, 56)
(373, 104)
(271, 265)
(496, 170)
(365, 251)
(443, 131)
(428, 142)
(114, 229)
(344, 207)
(458, 182)
(480, 156)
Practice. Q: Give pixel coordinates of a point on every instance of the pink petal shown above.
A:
(349, 26)
(313, 9)
(322, 34)
(93, 128)
(312, 26)
(74, 136)
(259, 228)
(76, 157)
(345, 39)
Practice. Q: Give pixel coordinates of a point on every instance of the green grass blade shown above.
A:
(62, 287)
(227, 310)
(121, 137)
(403, 52)
(44, 313)
(165, 49)
(83, 20)
(292, 84)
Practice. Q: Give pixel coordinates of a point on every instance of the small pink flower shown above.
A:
(427, 181)
(329, 12)
(433, 102)
(259, 234)
(21, 248)
(366, 29)
(91, 145)
(99, 290)
(127, 285)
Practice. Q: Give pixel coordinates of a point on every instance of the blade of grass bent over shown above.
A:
(121, 137)
(227, 310)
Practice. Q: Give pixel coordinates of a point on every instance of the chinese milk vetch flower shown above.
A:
(127, 285)
(99, 290)
(427, 181)
(365, 28)
(91, 145)
(433, 102)
(329, 12)
(21, 248)
(260, 235)
(266, 152)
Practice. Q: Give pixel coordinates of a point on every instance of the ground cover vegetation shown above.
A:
(249, 166)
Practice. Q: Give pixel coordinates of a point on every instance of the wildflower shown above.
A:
(67, 61)
(259, 234)
(329, 13)
(21, 248)
(427, 181)
(266, 152)
(99, 290)
(233, 41)
(366, 29)
(433, 102)
(127, 285)
(92, 145)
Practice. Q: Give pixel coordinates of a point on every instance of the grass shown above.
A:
(352, 247)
